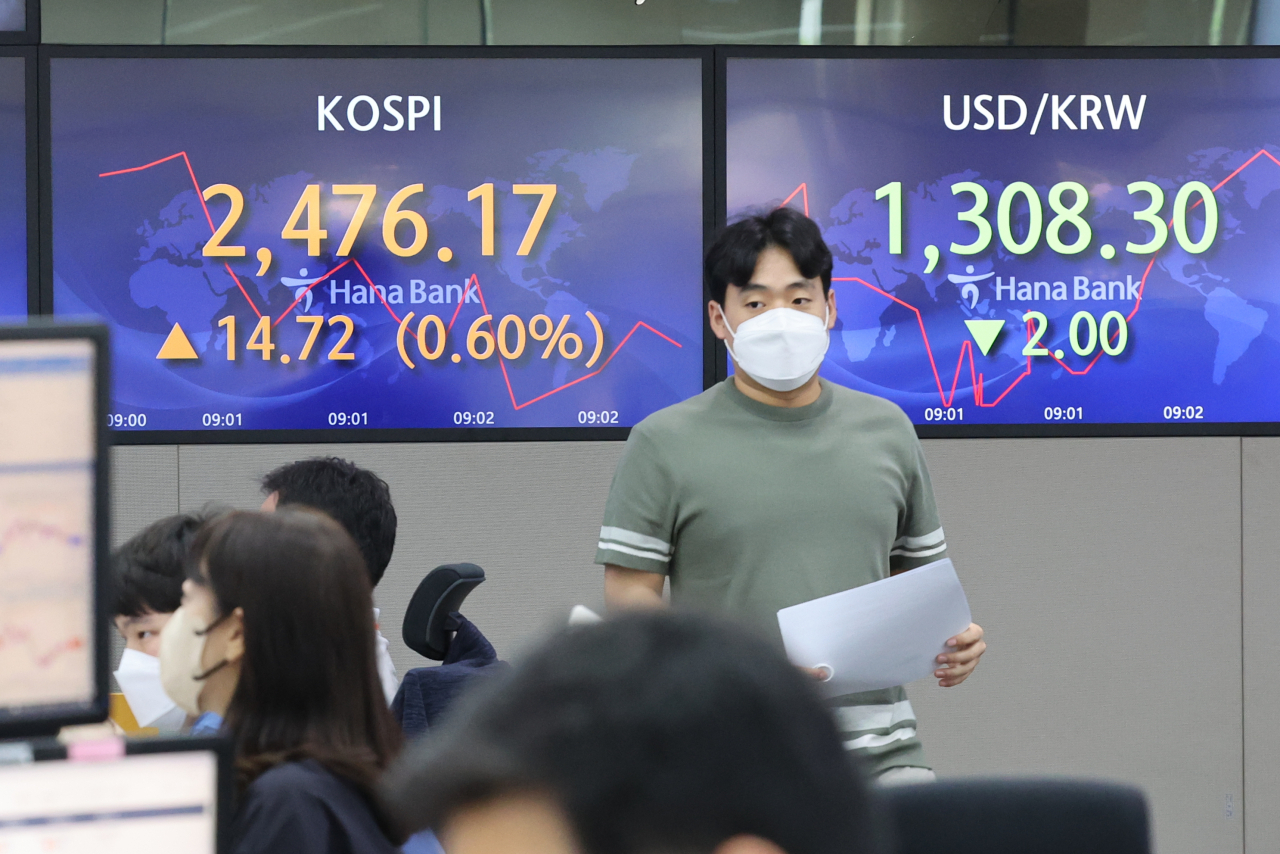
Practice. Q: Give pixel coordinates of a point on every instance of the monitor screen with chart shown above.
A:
(169, 798)
(52, 665)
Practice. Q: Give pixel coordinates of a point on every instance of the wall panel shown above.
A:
(1260, 489)
(1107, 575)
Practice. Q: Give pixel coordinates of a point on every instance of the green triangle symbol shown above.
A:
(985, 332)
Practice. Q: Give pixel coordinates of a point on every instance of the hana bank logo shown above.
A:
(970, 290)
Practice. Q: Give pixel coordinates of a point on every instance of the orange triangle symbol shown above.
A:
(177, 346)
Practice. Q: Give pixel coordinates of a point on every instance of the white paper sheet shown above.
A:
(882, 634)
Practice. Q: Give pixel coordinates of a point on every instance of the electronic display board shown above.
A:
(384, 241)
(1033, 243)
(16, 110)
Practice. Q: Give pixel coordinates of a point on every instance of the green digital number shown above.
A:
(1004, 217)
(973, 215)
(1083, 349)
(894, 192)
(1180, 212)
(1071, 215)
(1040, 325)
(1151, 216)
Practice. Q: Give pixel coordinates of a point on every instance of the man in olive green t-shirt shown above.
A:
(774, 487)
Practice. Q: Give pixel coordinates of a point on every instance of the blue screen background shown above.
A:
(1204, 337)
(621, 139)
(13, 188)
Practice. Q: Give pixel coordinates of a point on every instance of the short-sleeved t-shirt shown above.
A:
(750, 508)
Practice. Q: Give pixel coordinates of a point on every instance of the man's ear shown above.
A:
(746, 844)
(715, 314)
(831, 308)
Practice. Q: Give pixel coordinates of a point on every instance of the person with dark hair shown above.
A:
(776, 487)
(275, 635)
(648, 733)
(358, 500)
(147, 574)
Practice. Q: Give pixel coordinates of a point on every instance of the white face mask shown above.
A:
(181, 650)
(139, 678)
(781, 348)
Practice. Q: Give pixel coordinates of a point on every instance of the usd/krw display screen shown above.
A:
(319, 243)
(13, 187)
(1052, 242)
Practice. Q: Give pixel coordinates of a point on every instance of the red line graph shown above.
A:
(966, 348)
(200, 196)
(14, 636)
(473, 281)
(21, 528)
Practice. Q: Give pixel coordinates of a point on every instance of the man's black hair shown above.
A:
(731, 260)
(356, 498)
(149, 569)
(654, 732)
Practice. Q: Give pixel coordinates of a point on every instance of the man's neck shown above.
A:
(797, 397)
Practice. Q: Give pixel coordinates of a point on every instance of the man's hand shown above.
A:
(964, 651)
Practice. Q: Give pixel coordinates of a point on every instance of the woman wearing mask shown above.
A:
(275, 636)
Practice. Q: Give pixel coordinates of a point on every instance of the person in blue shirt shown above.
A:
(275, 636)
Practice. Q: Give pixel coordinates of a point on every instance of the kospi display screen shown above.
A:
(388, 242)
(1033, 245)
(14, 231)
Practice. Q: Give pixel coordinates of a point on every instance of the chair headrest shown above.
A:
(426, 629)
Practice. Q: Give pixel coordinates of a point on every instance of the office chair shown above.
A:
(1017, 816)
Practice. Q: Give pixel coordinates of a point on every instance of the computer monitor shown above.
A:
(53, 667)
(168, 795)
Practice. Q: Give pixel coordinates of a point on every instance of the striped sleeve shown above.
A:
(920, 536)
(639, 517)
